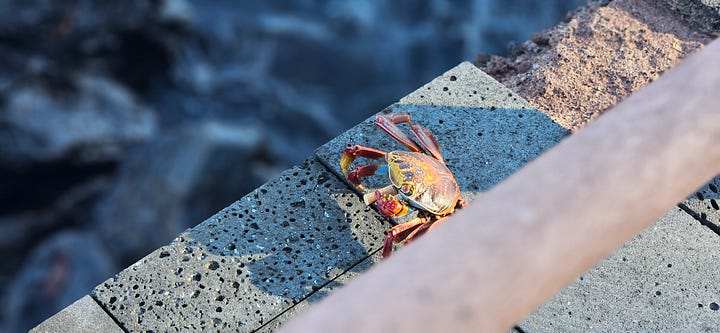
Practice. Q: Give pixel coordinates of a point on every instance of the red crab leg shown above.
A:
(461, 203)
(427, 140)
(423, 229)
(389, 124)
(396, 234)
(350, 153)
(361, 172)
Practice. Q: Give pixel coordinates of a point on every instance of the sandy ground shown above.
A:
(601, 54)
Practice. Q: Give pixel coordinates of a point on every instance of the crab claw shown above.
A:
(348, 157)
(388, 206)
(370, 197)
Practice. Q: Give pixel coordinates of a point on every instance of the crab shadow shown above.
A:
(293, 237)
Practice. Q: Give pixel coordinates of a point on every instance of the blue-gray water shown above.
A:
(125, 122)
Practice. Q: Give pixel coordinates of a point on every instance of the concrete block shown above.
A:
(288, 239)
(663, 280)
(292, 241)
(486, 132)
(85, 315)
(704, 205)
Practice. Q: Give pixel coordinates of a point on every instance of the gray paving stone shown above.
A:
(663, 280)
(248, 263)
(486, 132)
(85, 315)
(704, 204)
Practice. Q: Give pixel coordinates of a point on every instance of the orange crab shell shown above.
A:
(423, 181)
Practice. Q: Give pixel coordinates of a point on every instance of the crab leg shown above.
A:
(423, 229)
(389, 124)
(398, 233)
(360, 172)
(427, 140)
(350, 153)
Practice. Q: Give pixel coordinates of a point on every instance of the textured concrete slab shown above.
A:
(486, 132)
(288, 239)
(663, 280)
(85, 315)
(704, 205)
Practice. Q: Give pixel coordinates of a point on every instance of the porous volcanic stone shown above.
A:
(251, 261)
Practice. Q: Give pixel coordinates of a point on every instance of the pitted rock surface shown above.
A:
(278, 245)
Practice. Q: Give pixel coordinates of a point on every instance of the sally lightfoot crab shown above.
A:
(419, 179)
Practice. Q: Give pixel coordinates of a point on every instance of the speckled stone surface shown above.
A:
(664, 280)
(290, 242)
(83, 316)
(278, 245)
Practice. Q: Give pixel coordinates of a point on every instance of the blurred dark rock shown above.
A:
(56, 274)
(52, 39)
(92, 121)
(21, 231)
(177, 180)
(136, 119)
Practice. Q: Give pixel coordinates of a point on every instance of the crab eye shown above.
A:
(406, 189)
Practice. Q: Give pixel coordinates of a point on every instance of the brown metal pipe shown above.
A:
(530, 236)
